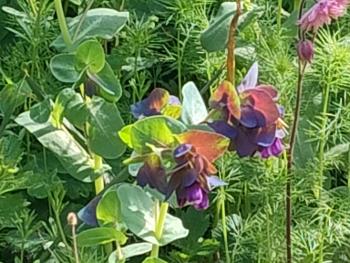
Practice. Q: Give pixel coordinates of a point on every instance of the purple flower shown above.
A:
(275, 149)
(158, 101)
(191, 178)
(152, 174)
(322, 13)
(259, 114)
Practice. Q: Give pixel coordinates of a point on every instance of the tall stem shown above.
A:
(160, 220)
(231, 63)
(319, 183)
(279, 14)
(290, 153)
(224, 228)
(62, 23)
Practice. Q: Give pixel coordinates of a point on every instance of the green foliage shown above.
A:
(73, 104)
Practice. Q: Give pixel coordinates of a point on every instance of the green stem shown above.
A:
(349, 166)
(160, 219)
(224, 228)
(296, 4)
(99, 183)
(319, 183)
(62, 23)
(279, 14)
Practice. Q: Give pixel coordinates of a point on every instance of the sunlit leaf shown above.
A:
(194, 110)
(90, 54)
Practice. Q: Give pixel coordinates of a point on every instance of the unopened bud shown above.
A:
(72, 219)
(306, 50)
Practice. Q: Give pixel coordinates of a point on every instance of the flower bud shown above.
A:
(306, 50)
(72, 219)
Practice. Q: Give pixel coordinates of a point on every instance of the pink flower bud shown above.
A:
(306, 50)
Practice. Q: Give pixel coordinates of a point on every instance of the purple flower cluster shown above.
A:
(251, 117)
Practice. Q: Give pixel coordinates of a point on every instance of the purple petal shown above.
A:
(173, 100)
(154, 176)
(152, 105)
(266, 136)
(245, 144)
(251, 118)
(180, 179)
(273, 150)
(88, 213)
(182, 150)
(224, 128)
(251, 79)
(193, 195)
(214, 181)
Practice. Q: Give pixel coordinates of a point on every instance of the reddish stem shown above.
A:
(231, 45)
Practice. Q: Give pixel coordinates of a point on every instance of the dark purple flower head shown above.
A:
(152, 174)
(155, 103)
(191, 178)
(256, 127)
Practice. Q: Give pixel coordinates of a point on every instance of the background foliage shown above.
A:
(161, 47)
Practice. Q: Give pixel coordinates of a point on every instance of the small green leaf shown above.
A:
(132, 250)
(90, 54)
(194, 110)
(108, 208)
(105, 122)
(100, 235)
(108, 83)
(63, 68)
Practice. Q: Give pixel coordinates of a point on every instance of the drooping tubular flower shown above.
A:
(192, 178)
(322, 13)
(251, 118)
(158, 102)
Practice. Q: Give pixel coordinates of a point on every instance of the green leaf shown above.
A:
(156, 130)
(90, 54)
(69, 152)
(154, 260)
(132, 250)
(100, 235)
(40, 112)
(40, 183)
(194, 110)
(137, 210)
(10, 204)
(98, 23)
(108, 208)
(63, 68)
(12, 96)
(215, 37)
(105, 122)
(108, 83)
(72, 105)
